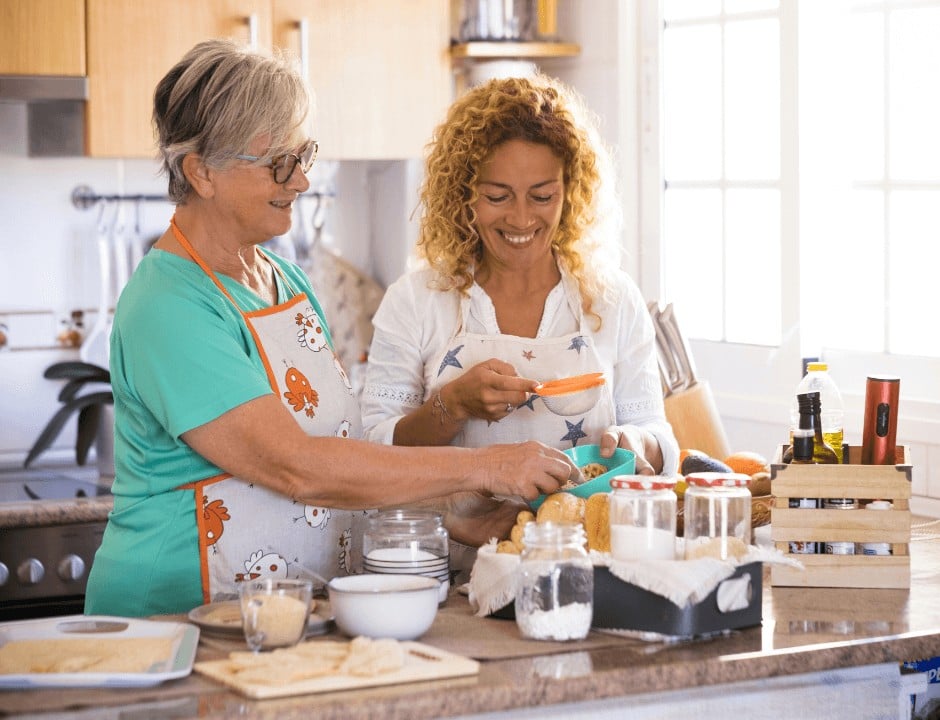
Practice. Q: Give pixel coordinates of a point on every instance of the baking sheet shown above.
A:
(177, 664)
(422, 662)
(224, 618)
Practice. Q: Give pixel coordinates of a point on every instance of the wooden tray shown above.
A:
(851, 480)
(422, 662)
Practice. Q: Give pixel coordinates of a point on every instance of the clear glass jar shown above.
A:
(411, 542)
(717, 515)
(643, 517)
(554, 583)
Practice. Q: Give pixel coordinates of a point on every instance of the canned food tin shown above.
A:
(840, 504)
(840, 548)
(804, 547)
(876, 548)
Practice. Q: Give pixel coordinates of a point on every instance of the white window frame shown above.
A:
(753, 384)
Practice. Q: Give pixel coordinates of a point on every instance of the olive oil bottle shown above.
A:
(810, 419)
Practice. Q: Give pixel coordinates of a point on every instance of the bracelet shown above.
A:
(438, 402)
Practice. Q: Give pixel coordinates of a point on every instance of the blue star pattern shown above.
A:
(450, 359)
(529, 403)
(577, 342)
(575, 432)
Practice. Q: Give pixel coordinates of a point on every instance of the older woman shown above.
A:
(522, 284)
(235, 423)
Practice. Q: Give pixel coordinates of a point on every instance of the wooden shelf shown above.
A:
(477, 50)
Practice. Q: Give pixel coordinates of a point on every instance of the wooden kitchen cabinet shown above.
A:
(380, 71)
(131, 45)
(42, 37)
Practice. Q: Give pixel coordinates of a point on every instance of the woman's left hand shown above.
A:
(649, 456)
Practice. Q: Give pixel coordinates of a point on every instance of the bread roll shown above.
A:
(515, 536)
(561, 507)
(507, 546)
(760, 484)
(597, 522)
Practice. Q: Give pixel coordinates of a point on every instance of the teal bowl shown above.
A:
(622, 462)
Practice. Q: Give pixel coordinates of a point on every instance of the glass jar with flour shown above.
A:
(555, 583)
(643, 517)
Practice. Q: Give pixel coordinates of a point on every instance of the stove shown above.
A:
(44, 568)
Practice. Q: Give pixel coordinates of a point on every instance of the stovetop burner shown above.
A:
(24, 485)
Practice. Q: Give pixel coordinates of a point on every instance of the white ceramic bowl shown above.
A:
(384, 606)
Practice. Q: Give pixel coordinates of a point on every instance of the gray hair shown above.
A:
(218, 99)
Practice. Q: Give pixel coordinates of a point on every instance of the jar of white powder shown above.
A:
(643, 517)
(555, 583)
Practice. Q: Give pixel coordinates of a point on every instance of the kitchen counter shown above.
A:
(803, 631)
(32, 513)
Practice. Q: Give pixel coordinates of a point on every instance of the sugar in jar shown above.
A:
(717, 515)
(643, 517)
(554, 583)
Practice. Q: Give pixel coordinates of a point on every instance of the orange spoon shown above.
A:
(576, 383)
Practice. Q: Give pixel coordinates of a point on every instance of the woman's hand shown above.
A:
(490, 391)
(524, 470)
(649, 456)
(489, 518)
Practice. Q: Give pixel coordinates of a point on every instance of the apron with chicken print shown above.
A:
(247, 531)
(539, 359)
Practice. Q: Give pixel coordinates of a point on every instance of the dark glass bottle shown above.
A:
(811, 419)
(804, 441)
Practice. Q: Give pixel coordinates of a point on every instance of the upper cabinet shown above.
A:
(131, 45)
(42, 37)
(380, 71)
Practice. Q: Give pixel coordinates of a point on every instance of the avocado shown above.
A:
(702, 463)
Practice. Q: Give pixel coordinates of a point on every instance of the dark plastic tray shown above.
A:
(623, 606)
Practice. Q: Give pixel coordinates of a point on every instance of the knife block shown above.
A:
(695, 420)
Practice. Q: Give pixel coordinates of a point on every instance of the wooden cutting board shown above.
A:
(422, 662)
(695, 420)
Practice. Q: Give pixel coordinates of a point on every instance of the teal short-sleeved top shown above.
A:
(181, 356)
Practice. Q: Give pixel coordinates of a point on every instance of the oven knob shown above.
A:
(71, 568)
(30, 571)
(4, 574)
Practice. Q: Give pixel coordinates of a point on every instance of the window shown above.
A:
(800, 178)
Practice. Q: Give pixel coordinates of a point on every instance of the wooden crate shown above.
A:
(851, 480)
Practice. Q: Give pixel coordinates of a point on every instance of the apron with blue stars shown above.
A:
(540, 359)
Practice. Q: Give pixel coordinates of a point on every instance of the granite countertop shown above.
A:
(32, 513)
(803, 630)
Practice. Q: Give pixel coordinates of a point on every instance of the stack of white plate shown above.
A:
(408, 561)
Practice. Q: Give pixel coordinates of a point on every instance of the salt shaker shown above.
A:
(412, 542)
(643, 517)
(555, 583)
(717, 515)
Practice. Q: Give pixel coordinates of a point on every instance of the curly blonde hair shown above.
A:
(537, 109)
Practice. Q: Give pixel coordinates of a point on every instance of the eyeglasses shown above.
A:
(282, 166)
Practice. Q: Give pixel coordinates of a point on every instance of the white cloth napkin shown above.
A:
(493, 578)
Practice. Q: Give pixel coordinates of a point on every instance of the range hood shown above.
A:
(36, 88)
(55, 111)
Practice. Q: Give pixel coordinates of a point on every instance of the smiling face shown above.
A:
(248, 193)
(521, 189)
